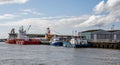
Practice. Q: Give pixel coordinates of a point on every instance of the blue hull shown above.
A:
(57, 44)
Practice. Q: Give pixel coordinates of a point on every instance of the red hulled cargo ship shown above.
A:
(22, 38)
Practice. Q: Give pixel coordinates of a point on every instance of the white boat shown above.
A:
(78, 42)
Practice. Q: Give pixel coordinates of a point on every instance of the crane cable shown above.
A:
(28, 28)
(57, 32)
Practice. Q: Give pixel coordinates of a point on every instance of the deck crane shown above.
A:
(28, 28)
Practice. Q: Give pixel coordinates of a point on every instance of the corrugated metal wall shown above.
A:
(103, 36)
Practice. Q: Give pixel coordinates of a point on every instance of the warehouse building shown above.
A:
(100, 35)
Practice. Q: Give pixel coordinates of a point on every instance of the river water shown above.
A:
(50, 55)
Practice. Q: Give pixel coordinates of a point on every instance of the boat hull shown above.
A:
(23, 42)
(80, 45)
(57, 44)
(11, 41)
(29, 42)
(67, 44)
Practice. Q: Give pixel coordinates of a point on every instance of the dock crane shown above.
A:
(48, 35)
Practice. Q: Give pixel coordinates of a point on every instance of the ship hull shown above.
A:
(23, 42)
(57, 44)
(11, 41)
(28, 42)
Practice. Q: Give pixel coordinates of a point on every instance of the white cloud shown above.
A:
(112, 4)
(7, 16)
(12, 1)
(39, 25)
(68, 23)
(111, 7)
(31, 11)
(100, 7)
(56, 17)
(91, 21)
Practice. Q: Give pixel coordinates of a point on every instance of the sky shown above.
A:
(61, 16)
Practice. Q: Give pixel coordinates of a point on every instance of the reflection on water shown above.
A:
(49, 55)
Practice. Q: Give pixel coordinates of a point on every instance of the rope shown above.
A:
(57, 32)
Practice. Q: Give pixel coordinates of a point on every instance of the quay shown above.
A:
(109, 45)
(99, 38)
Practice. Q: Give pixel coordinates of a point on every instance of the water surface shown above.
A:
(49, 55)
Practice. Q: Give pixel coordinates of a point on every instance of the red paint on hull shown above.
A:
(11, 41)
(23, 42)
(29, 42)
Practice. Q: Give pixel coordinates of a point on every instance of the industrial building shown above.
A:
(100, 35)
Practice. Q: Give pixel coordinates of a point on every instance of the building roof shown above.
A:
(92, 30)
(97, 30)
(113, 30)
